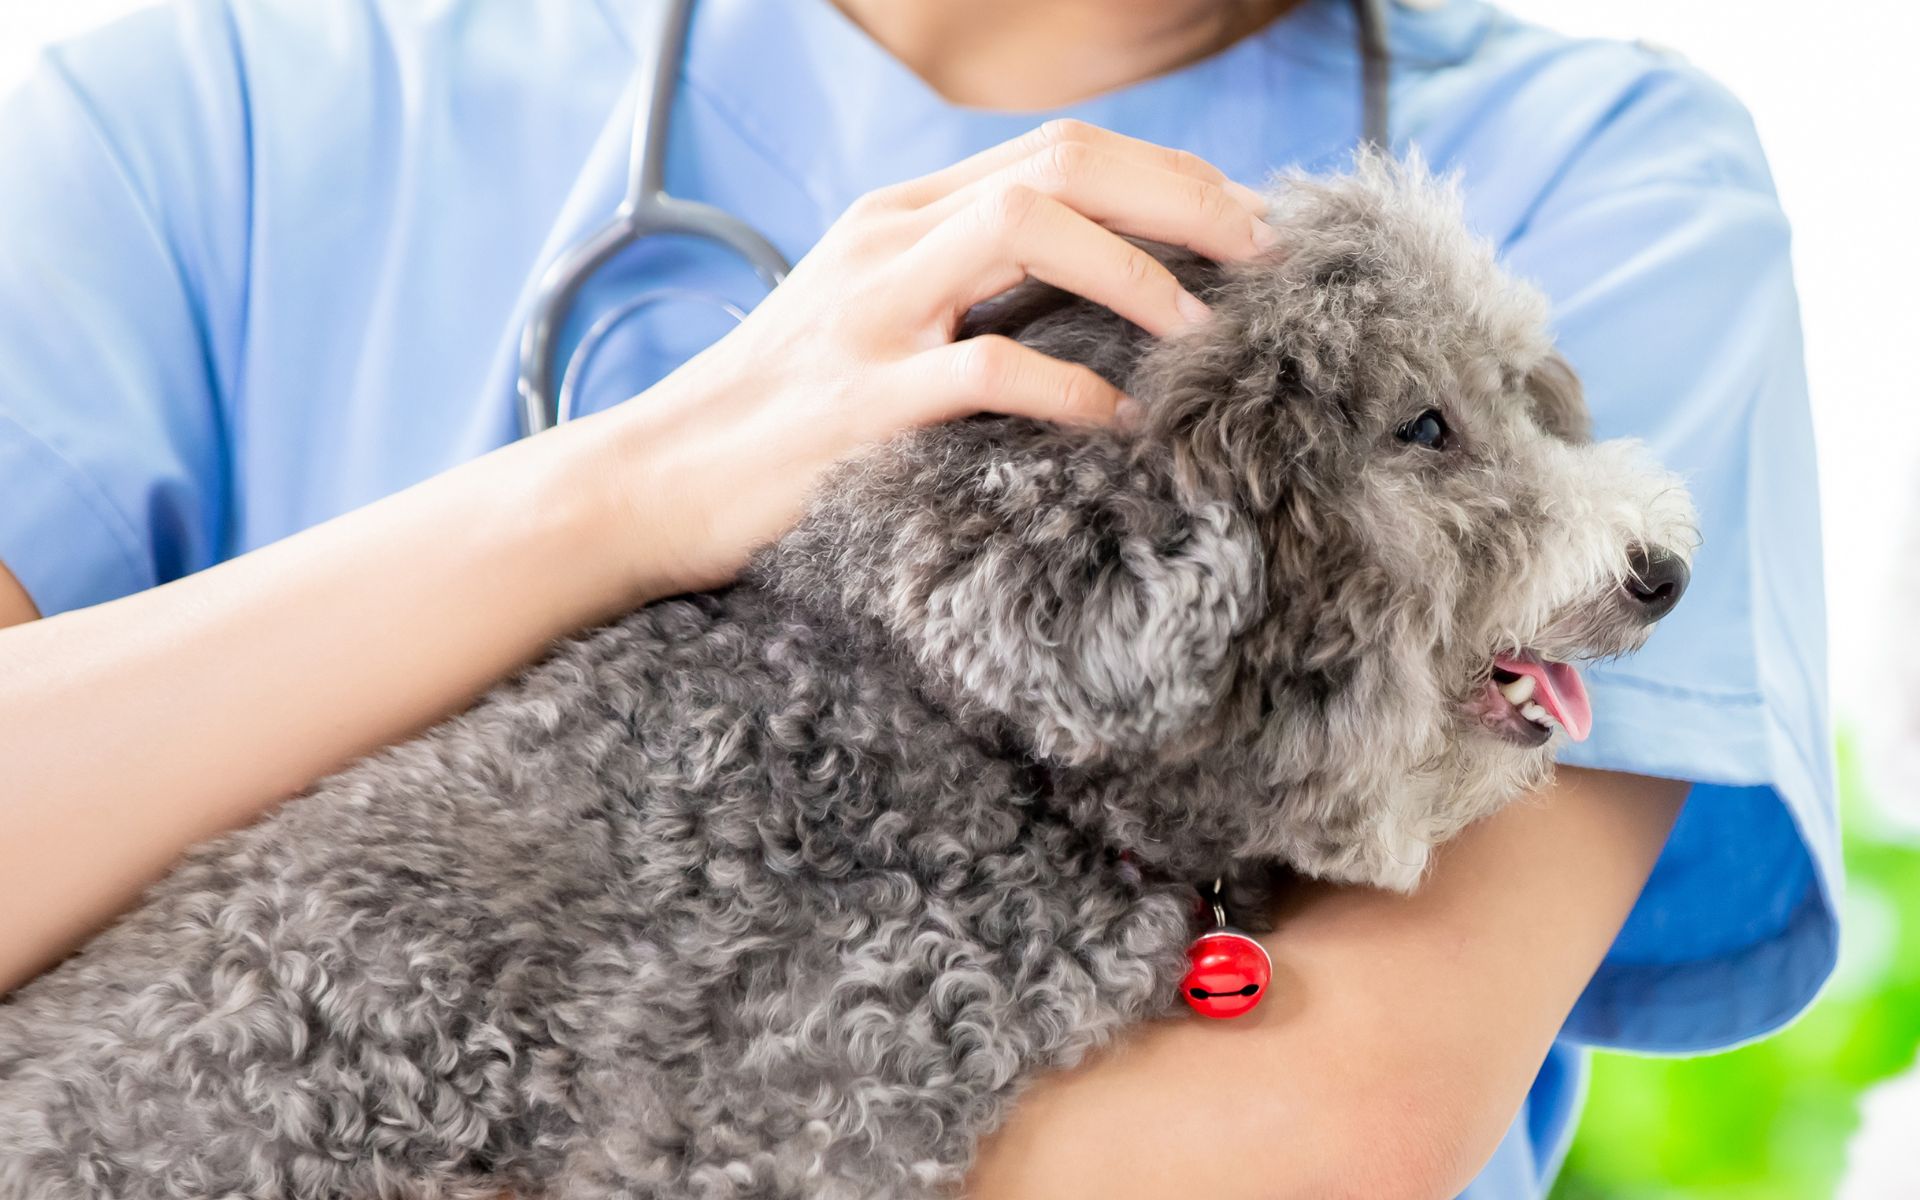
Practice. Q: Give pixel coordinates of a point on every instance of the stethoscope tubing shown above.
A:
(646, 210)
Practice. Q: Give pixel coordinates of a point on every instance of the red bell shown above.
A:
(1227, 974)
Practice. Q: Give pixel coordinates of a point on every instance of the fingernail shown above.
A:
(1127, 413)
(1265, 236)
(1192, 308)
(1255, 200)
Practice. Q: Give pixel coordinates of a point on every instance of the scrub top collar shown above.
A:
(834, 110)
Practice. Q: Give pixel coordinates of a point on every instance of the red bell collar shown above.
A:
(1228, 972)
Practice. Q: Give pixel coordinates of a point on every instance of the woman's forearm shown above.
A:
(1400, 1037)
(131, 730)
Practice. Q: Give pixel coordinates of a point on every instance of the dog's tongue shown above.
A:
(1557, 688)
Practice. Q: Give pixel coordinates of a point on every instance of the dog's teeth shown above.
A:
(1536, 714)
(1519, 691)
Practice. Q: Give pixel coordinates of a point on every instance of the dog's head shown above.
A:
(1342, 573)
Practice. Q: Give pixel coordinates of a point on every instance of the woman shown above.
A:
(265, 264)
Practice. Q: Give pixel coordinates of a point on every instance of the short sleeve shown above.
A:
(1667, 259)
(122, 237)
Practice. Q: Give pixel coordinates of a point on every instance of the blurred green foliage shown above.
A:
(1770, 1121)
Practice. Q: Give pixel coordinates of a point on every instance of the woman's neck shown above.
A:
(1038, 54)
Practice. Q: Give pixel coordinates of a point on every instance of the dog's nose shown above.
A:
(1656, 579)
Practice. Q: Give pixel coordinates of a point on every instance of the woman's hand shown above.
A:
(858, 343)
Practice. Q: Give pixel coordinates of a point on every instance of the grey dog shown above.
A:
(787, 889)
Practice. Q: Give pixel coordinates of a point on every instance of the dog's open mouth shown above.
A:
(1529, 697)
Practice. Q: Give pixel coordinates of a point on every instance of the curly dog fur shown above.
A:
(785, 890)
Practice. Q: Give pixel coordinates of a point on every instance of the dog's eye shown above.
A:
(1429, 429)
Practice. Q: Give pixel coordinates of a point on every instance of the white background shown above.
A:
(1832, 89)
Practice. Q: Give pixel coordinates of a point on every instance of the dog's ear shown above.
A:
(1049, 578)
(1013, 311)
(1559, 402)
(1062, 324)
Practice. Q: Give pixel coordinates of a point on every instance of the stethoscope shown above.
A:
(648, 210)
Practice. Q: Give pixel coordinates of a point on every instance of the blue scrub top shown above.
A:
(262, 261)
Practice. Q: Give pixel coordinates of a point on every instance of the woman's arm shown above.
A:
(132, 729)
(1401, 1035)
